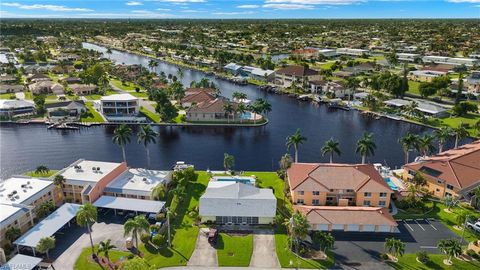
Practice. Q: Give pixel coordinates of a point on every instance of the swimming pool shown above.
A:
(238, 179)
(246, 115)
(391, 184)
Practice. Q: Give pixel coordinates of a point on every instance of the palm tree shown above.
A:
(238, 96)
(324, 240)
(443, 134)
(42, 169)
(152, 64)
(331, 146)
(295, 140)
(58, 181)
(366, 146)
(180, 73)
(146, 135)
(105, 247)
(45, 244)
(297, 227)
(285, 162)
(408, 142)
(136, 226)
(425, 144)
(121, 137)
(228, 161)
(241, 109)
(86, 216)
(451, 247)
(352, 84)
(395, 247)
(411, 108)
(159, 192)
(461, 132)
(475, 200)
(265, 106)
(228, 108)
(450, 202)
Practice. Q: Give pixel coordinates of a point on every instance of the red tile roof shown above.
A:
(297, 71)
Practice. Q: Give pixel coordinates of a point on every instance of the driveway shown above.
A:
(204, 254)
(264, 252)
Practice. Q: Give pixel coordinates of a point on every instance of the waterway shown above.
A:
(23, 147)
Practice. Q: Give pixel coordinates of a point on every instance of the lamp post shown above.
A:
(168, 224)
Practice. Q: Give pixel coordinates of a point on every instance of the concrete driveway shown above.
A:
(264, 252)
(204, 254)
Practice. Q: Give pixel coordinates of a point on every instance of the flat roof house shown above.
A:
(430, 109)
(237, 203)
(10, 88)
(258, 73)
(453, 172)
(352, 52)
(66, 110)
(408, 57)
(232, 68)
(13, 107)
(120, 108)
(425, 75)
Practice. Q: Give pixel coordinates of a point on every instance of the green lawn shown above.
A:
(234, 250)
(285, 255)
(142, 94)
(454, 122)
(43, 175)
(413, 87)
(271, 180)
(84, 261)
(326, 65)
(128, 86)
(7, 96)
(408, 261)
(184, 232)
(92, 114)
(28, 95)
(448, 219)
(98, 96)
(154, 117)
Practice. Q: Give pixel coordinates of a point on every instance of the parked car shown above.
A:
(212, 236)
(474, 226)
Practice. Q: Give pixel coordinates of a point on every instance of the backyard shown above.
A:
(234, 250)
(91, 115)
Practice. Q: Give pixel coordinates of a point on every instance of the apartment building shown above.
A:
(320, 184)
(352, 52)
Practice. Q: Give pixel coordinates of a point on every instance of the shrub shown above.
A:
(158, 240)
(130, 256)
(145, 237)
(8, 248)
(383, 256)
(422, 256)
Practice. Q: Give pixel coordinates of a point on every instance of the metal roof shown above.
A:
(129, 204)
(21, 262)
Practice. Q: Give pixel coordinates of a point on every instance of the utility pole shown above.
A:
(464, 228)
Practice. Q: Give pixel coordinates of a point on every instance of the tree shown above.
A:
(180, 73)
(121, 137)
(411, 109)
(463, 108)
(323, 240)
(425, 144)
(39, 101)
(12, 233)
(331, 147)
(295, 140)
(164, 107)
(395, 247)
(45, 244)
(443, 134)
(135, 226)
(228, 161)
(228, 108)
(86, 216)
(176, 91)
(285, 162)
(458, 95)
(297, 227)
(461, 132)
(59, 181)
(408, 142)
(461, 218)
(146, 135)
(404, 86)
(152, 64)
(136, 264)
(427, 89)
(475, 200)
(158, 240)
(352, 83)
(42, 169)
(159, 192)
(241, 109)
(418, 180)
(105, 247)
(451, 247)
(449, 202)
(366, 146)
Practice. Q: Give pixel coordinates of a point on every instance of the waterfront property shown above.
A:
(454, 172)
(12, 107)
(196, 97)
(349, 218)
(337, 184)
(210, 111)
(20, 199)
(65, 111)
(229, 202)
(120, 108)
(258, 73)
(10, 88)
(428, 108)
(293, 74)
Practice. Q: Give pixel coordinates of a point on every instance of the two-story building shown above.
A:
(294, 74)
(120, 108)
(454, 172)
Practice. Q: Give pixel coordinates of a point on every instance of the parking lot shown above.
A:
(362, 250)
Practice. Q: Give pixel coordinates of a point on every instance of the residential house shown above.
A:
(428, 108)
(10, 88)
(425, 75)
(232, 68)
(320, 184)
(456, 61)
(37, 77)
(46, 87)
(408, 57)
(8, 79)
(83, 89)
(120, 108)
(472, 82)
(307, 53)
(72, 80)
(453, 172)
(196, 98)
(352, 52)
(258, 73)
(328, 52)
(294, 74)
(12, 107)
(209, 111)
(228, 202)
(65, 111)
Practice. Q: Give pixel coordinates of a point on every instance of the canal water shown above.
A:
(25, 147)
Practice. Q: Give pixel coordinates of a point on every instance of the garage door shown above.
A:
(384, 228)
(353, 227)
(337, 227)
(322, 227)
(368, 228)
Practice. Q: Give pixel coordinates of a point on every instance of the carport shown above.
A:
(129, 204)
(22, 262)
(48, 227)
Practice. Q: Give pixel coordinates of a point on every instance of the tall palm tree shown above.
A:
(135, 226)
(461, 132)
(395, 247)
(408, 142)
(228, 161)
(425, 144)
(443, 134)
(352, 83)
(86, 216)
(45, 244)
(146, 135)
(228, 108)
(331, 146)
(121, 137)
(152, 64)
(241, 109)
(159, 192)
(255, 108)
(105, 247)
(366, 146)
(451, 247)
(297, 227)
(295, 140)
(59, 181)
(285, 162)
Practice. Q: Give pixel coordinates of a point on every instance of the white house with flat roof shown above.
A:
(228, 202)
(120, 108)
(137, 183)
(457, 61)
(328, 52)
(408, 57)
(13, 107)
(352, 52)
(19, 198)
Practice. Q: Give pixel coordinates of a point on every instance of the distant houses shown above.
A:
(249, 71)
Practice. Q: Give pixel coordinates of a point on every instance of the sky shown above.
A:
(218, 9)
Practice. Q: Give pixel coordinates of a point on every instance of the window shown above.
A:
(450, 187)
(366, 203)
(367, 194)
(439, 181)
(300, 201)
(315, 202)
(329, 199)
(438, 190)
(331, 190)
(349, 190)
(383, 194)
(381, 203)
(301, 192)
(316, 193)
(448, 194)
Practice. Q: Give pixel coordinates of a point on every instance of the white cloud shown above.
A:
(133, 3)
(233, 13)
(182, 1)
(163, 9)
(45, 7)
(248, 6)
(463, 1)
(316, 2)
(192, 11)
(288, 6)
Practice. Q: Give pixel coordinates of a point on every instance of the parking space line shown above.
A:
(408, 225)
(431, 224)
(428, 247)
(419, 225)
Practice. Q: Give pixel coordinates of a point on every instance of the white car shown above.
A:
(474, 226)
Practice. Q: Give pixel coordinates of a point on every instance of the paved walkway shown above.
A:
(204, 254)
(264, 252)
(20, 95)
